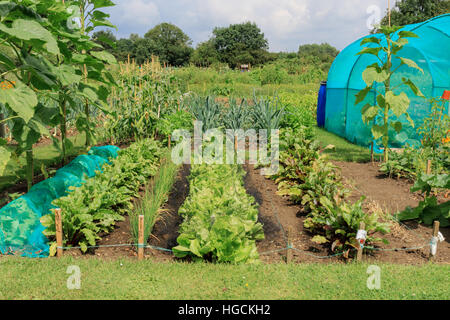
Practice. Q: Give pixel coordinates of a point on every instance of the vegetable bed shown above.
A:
(220, 218)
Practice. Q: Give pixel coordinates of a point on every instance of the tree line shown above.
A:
(242, 43)
(234, 45)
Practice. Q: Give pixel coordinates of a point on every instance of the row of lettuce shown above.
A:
(220, 218)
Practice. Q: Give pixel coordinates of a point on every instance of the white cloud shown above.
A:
(286, 23)
(135, 13)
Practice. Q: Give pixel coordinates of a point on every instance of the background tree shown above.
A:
(240, 44)
(171, 44)
(325, 52)
(415, 11)
(205, 54)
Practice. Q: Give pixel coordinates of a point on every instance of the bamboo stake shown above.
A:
(389, 12)
(59, 233)
(429, 163)
(371, 152)
(141, 238)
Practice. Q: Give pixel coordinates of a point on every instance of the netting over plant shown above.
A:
(20, 227)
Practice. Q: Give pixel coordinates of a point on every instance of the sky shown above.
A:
(285, 23)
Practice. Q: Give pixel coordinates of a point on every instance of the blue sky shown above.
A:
(285, 23)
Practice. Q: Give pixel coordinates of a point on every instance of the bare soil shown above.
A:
(280, 217)
(165, 231)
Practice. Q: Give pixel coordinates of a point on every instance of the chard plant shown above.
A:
(388, 103)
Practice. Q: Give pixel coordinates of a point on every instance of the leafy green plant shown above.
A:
(220, 218)
(41, 52)
(429, 210)
(307, 178)
(207, 111)
(171, 122)
(435, 127)
(340, 223)
(389, 105)
(95, 207)
(238, 115)
(304, 176)
(267, 114)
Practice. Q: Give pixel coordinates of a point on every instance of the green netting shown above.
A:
(20, 228)
(431, 51)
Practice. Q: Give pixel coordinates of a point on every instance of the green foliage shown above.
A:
(171, 122)
(171, 44)
(238, 115)
(324, 52)
(416, 11)
(390, 106)
(270, 74)
(205, 54)
(41, 57)
(299, 110)
(304, 176)
(429, 210)
(156, 194)
(206, 110)
(340, 224)
(267, 114)
(98, 204)
(412, 162)
(240, 44)
(142, 102)
(435, 128)
(308, 179)
(220, 218)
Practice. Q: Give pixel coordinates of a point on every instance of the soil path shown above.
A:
(365, 179)
(278, 216)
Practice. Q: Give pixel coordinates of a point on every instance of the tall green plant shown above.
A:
(40, 49)
(90, 18)
(388, 104)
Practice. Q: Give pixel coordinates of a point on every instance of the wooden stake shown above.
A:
(436, 225)
(389, 11)
(59, 233)
(371, 153)
(289, 250)
(170, 141)
(362, 226)
(429, 163)
(141, 238)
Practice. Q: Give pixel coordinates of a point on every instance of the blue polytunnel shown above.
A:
(430, 51)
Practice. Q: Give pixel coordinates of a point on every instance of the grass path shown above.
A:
(129, 279)
(345, 150)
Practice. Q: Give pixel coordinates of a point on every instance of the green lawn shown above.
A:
(345, 150)
(22, 278)
(47, 155)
